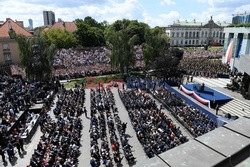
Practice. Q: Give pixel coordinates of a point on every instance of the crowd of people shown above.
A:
(71, 62)
(193, 119)
(17, 96)
(59, 145)
(203, 67)
(202, 53)
(155, 131)
(104, 124)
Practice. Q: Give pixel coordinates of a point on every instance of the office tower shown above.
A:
(30, 24)
(49, 18)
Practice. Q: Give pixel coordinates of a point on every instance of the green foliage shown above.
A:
(156, 44)
(122, 50)
(36, 56)
(239, 25)
(89, 32)
(38, 31)
(60, 38)
(131, 27)
(157, 53)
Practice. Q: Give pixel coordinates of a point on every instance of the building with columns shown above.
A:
(196, 33)
(237, 48)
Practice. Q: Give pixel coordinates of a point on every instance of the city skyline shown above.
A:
(154, 13)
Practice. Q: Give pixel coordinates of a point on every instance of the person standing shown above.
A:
(2, 154)
(85, 112)
(217, 109)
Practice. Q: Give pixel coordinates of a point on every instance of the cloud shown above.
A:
(162, 19)
(109, 10)
(167, 2)
(222, 10)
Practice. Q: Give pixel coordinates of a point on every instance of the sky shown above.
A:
(152, 12)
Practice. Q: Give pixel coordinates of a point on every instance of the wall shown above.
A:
(13, 48)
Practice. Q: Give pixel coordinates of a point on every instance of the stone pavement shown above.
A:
(138, 153)
(84, 158)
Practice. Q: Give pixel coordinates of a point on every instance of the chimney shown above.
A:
(7, 19)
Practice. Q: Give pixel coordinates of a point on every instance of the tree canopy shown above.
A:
(36, 56)
(89, 32)
(158, 54)
(60, 38)
(131, 27)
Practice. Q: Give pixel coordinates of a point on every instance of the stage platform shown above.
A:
(205, 96)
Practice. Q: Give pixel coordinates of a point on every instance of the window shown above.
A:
(202, 33)
(181, 42)
(7, 56)
(5, 46)
(197, 34)
(186, 42)
(193, 42)
(186, 35)
(194, 34)
(177, 34)
(197, 42)
(220, 34)
(190, 34)
(217, 34)
(182, 34)
(189, 42)
(172, 34)
(206, 34)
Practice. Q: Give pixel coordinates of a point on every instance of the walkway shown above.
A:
(138, 153)
(84, 159)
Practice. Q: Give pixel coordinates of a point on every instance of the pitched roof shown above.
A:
(4, 29)
(69, 26)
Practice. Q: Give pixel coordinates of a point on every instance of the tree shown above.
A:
(60, 38)
(157, 53)
(122, 56)
(89, 33)
(132, 27)
(36, 56)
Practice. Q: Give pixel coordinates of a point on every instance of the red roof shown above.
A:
(4, 29)
(69, 26)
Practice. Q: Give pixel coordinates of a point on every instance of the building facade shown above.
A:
(9, 51)
(237, 48)
(196, 33)
(241, 18)
(48, 18)
(30, 24)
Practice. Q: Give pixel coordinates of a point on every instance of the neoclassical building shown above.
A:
(196, 33)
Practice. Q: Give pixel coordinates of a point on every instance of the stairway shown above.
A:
(236, 108)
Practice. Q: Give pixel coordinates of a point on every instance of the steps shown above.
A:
(236, 107)
(212, 82)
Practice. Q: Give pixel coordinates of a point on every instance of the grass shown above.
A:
(215, 48)
(104, 78)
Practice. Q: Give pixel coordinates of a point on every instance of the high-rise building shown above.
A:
(241, 18)
(59, 20)
(20, 23)
(30, 24)
(49, 18)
